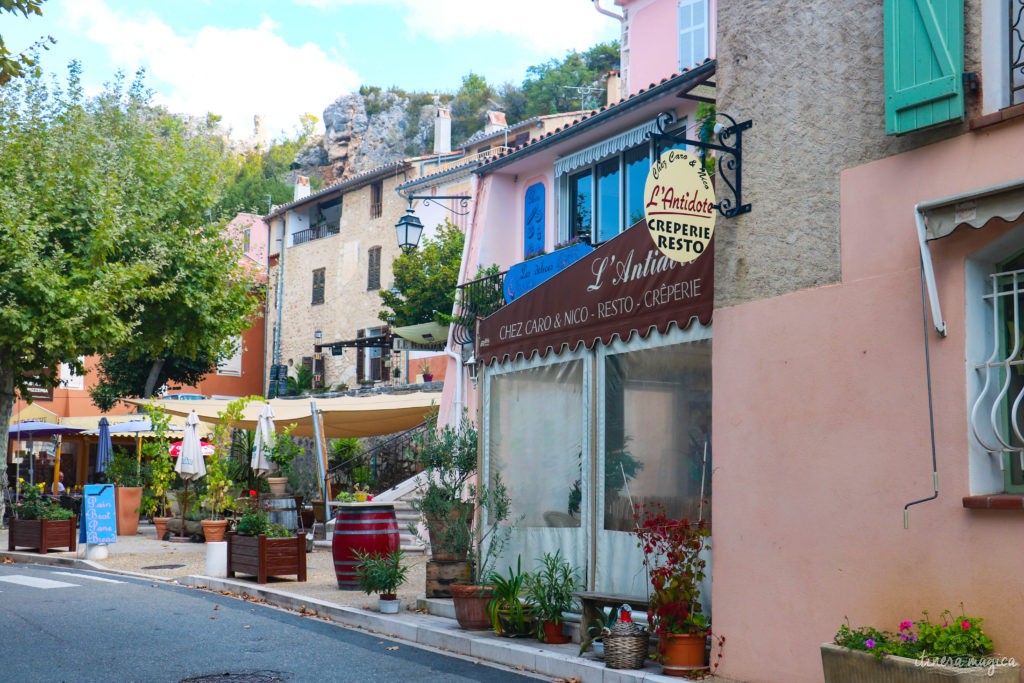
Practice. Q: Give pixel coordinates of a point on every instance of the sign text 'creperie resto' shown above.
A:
(615, 272)
(679, 203)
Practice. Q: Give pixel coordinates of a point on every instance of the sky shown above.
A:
(284, 58)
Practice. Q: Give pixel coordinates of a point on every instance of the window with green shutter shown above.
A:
(924, 63)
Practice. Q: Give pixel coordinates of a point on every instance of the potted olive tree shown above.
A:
(283, 455)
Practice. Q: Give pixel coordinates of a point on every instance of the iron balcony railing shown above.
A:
(316, 232)
(386, 463)
(477, 299)
(1016, 52)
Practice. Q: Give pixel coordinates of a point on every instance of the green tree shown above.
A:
(550, 87)
(14, 65)
(103, 230)
(425, 280)
(470, 105)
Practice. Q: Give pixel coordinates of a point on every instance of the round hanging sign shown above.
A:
(679, 204)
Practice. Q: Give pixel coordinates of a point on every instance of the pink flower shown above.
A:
(904, 625)
(869, 643)
(965, 625)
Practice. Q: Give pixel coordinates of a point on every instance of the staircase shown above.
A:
(400, 497)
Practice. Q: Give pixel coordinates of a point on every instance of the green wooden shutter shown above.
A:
(924, 62)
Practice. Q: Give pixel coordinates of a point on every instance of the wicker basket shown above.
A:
(625, 646)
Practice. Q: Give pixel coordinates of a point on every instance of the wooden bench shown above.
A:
(593, 602)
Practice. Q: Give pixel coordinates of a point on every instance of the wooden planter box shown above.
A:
(43, 534)
(262, 557)
(843, 665)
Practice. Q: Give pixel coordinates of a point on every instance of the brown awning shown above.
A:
(624, 287)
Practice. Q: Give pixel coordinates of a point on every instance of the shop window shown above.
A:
(319, 278)
(373, 269)
(997, 409)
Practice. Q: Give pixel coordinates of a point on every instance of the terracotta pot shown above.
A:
(437, 528)
(213, 529)
(553, 633)
(682, 653)
(278, 485)
(471, 606)
(161, 527)
(127, 501)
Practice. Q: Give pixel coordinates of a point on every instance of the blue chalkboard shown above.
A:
(98, 523)
(533, 220)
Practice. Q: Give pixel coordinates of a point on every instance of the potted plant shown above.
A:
(128, 477)
(382, 573)
(672, 550)
(41, 523)
(551, 589)
(953, 648)
(511, 609)
(283, 454)
(217, 498)
(425, 371)
(263, 549)
(161, 470)
(597, 629)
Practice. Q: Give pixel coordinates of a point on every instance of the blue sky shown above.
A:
(283, 58)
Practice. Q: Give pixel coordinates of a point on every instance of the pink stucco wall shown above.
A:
(821, 436)
(653, 51)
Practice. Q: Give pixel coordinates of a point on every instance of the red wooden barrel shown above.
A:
(366, 527)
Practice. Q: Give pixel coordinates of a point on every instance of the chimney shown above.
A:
(614, 84)
(495, 122)
(301, 187)
(443, 131)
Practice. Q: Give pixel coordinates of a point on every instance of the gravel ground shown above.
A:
(144, 554)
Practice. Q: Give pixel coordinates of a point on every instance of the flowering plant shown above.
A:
(960, 638)
(34, 506)
(672, 557)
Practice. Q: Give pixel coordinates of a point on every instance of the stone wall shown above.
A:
(810, 76)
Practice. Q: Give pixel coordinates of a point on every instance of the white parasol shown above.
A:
(264, 442)
(190, 465)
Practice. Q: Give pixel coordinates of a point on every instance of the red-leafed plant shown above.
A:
(672, 557)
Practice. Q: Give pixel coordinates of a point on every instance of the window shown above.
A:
(376, 199)
(246, 240)
(1002, 54)
(318, 286)
(373, 269)
(693, 33)
(996, 419)
(608, 197)
(232, 365)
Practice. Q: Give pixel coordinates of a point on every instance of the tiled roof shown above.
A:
(351, 183)
(689, 77)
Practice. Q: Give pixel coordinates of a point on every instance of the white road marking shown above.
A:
(36, 582)
(87, 576)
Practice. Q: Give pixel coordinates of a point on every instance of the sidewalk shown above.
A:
(429, 623)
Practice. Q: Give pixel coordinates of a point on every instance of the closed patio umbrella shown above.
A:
(105, 450)
(264, 442)
(190, 465)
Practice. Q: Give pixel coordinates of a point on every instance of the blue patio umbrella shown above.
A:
(106, 448)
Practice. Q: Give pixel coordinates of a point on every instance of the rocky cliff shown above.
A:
(371, 128)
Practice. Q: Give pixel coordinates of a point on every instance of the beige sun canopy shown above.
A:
(975, 209)
(343, 416)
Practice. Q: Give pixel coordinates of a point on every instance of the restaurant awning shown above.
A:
(624, 287)
(938, 218)
(343, 416)
(423, 337)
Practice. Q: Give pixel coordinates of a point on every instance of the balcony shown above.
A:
(476, 299)
(316, 232)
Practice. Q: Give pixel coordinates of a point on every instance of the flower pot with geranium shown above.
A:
(954, 648)
(673, 558)
(40, 522)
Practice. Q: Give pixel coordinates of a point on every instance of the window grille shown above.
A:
(376, 199)
(1016, 46)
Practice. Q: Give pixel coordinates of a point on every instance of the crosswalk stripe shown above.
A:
(88, 576)
(35, 582)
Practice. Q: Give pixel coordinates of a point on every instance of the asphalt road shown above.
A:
(68, 625)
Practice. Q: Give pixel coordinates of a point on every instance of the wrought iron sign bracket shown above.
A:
(730, 162)
(428, 199)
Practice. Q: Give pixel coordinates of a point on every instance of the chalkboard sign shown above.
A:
(99, 523)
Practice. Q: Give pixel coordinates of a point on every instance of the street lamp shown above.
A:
(409, 228)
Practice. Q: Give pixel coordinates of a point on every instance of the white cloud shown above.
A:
(236, 73)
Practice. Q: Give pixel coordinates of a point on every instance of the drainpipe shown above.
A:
(623, 44)
(280, 292)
